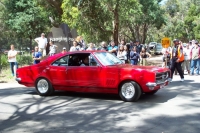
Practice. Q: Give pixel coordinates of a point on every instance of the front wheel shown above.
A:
(130, 91)
(43, 87)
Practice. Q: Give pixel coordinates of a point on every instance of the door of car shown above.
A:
(57, 72)
(84, 77)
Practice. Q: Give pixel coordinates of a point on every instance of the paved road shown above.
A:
(174, 109)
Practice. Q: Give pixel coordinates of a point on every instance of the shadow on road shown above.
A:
(97, 113)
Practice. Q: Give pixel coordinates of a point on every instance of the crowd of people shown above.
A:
(178, 57)
(132, 53)
(182, 56)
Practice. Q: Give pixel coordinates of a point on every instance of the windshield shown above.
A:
(107, 58)
(159, 46)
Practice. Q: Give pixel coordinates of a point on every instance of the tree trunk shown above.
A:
(144, 36)
(30, 44)
(116, 24)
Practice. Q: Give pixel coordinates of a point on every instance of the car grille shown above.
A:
(162, 77)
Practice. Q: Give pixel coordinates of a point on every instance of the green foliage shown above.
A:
(25, 17)
(99, 20)
(21, 60)
(24, 60)
(4, 61)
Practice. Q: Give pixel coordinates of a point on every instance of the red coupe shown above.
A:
(93, 71)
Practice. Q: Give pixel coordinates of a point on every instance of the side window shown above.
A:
(61, 62)
(93, 61)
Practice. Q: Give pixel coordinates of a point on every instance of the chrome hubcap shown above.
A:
(42, 86)
(128, 90)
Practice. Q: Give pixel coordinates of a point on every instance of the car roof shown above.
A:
(74, 52)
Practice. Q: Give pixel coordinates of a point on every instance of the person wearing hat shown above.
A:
(64, 50)
(195, 58)
(42, 44)
(177, 57)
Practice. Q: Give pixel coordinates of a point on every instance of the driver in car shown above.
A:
(85, 61)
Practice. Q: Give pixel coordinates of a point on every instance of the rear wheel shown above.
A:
(130, 91)
(43, 87)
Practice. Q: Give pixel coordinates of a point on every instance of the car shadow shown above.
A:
(162, 96)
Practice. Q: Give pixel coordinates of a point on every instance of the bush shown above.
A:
(4, 61)
(21, 60)
(24, 60)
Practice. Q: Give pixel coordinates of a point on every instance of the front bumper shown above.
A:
(154, 86)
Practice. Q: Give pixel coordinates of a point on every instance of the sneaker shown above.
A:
(169, 79)
(182, 80)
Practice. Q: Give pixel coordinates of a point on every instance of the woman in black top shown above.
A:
(144, 55)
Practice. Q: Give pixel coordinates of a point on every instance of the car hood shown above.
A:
(142, 68)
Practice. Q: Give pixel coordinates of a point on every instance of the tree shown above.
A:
(96, 19)
(25, 18)
(54, 10)
(149, 15)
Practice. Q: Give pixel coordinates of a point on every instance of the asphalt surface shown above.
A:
(173, 109)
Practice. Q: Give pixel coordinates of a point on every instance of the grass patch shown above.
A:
(6, 76)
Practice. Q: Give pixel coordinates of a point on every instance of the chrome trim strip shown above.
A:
(153, 84)
(18, 79)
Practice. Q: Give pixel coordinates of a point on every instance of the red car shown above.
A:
(104, 73)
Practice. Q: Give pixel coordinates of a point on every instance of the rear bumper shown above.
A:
(18, 79)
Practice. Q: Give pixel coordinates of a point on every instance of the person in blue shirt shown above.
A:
(113, 48)
(134, 56)
(37, 56)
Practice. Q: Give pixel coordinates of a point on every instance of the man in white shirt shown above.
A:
(42, 44)
(12, 53)
(186, 63)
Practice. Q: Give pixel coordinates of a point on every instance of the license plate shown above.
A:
(162, 86)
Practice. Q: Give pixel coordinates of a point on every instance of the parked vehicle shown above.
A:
(158, 48)
(105, 73)
(151, 47)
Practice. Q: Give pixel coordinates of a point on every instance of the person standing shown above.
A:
(144, 56)
(166, 56)
(103, 46)
(126, 53)
(12, 53)
(52, 49)
(64, 50)
(195, 59)
(113, 48)
(186, 63)
(75, 47)
(121, 54)
(37, 56)
(134, 56)
(90, 47)
(138, 46)
(177, 57)
(42, 44)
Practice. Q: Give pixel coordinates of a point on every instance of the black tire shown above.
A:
(43, 87)
(151, 93)
(133, 87)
